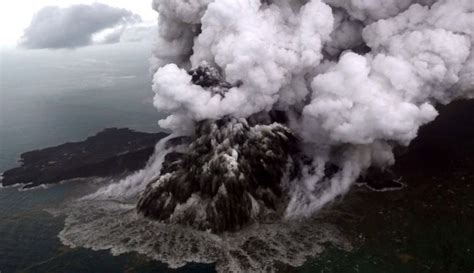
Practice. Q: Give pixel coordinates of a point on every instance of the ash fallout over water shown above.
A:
(276, 107)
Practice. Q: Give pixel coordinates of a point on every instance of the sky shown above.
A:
(16, 16)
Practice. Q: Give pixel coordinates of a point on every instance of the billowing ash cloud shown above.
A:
(73, 26)
(355, 78)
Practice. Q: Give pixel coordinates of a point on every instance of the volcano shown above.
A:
(231, 173)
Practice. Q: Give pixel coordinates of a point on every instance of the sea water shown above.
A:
(29, 239)
(48, 97)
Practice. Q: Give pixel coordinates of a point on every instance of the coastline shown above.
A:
(110, 152)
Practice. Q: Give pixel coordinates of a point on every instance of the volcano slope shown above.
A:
(231, 173)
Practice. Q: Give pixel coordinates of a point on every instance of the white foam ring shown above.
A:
(107, 219)
(106, 224)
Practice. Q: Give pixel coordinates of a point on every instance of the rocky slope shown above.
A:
(231, 174)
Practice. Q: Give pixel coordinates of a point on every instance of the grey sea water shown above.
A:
(29, 237)
(51, 97)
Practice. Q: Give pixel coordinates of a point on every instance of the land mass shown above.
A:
(111, 152)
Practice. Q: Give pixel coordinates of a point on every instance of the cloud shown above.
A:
(136, 33)
(73, 26)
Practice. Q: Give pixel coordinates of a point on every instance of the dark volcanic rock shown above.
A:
(230, 175)
(232, 172)
(110, 152)
(209, 77)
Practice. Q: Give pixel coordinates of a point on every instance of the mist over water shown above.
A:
(51, 97)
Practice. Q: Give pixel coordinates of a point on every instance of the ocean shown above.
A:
(51, 97)
(29, 237)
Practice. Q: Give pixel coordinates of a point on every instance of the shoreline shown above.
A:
(110, 152)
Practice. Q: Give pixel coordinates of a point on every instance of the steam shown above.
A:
(132, 185)
(356, 77)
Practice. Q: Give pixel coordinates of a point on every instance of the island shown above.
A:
(113, 151)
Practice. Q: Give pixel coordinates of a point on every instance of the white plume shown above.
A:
(357, 76)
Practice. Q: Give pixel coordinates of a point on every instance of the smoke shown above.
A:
(132, 185)
(357, 78)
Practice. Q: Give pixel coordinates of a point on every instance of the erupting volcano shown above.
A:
(230, 173)
(276, 108)
(286, 103)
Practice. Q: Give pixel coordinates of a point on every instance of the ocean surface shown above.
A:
(29, 237)
(48, 97)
